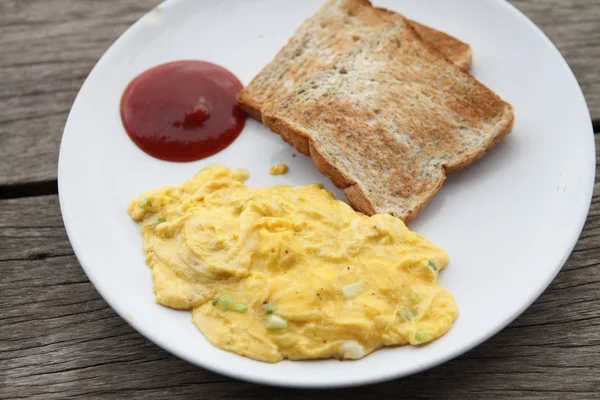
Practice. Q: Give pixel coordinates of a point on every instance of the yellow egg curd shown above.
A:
(278, 169)
(290, 272)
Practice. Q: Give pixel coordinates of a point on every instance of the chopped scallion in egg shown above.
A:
(423, 337)
(413, 296)
(268, 309)
(224, 302)
(276, 323)
(406, 314)
(353, 289)
(143, 202)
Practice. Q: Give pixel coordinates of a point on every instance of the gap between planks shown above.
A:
(43, 188)
(30, 189)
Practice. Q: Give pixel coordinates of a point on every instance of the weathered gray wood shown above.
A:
(58, 338)
(574, 27)
(47, 49)
(49, 46)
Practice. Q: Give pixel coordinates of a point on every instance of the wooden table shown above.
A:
(58, 338)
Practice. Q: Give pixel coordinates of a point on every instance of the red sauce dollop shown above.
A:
(183, 110)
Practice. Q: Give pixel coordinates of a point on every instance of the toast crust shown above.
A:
(505, 129)
(452, 48)
(488, 104)
(249, 105)
(255, 96)
(358, 199)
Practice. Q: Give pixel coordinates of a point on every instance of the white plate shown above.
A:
(509, 222)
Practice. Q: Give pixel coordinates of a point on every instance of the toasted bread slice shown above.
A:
(453, 49)
(336, 28)
(388, 119)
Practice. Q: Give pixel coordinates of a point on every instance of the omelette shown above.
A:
(290, 272)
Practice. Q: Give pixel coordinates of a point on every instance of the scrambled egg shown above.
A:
(290, 272)
(278, 169)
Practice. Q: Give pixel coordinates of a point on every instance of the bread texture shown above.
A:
(335, 29)
(388, 119)
(453, 49)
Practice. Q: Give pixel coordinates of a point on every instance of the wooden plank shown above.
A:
(49, 46)
(574, 27)
(58, 338)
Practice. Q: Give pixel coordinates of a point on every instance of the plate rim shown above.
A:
(574, 234)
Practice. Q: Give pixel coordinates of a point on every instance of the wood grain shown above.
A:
(48, 48)
(58, 338)
(574, 27)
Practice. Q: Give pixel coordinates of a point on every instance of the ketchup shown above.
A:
(183, 110)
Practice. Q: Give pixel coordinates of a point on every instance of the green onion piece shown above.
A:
(352, 350)
(225, 302)
(352, 289)
(431, 265)
(406, 314)
(413, 296)
(423, 337)
(159, 220)
(268, 309)
(215, 301)
(143, 202)
(239, 307)
(276, 323)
